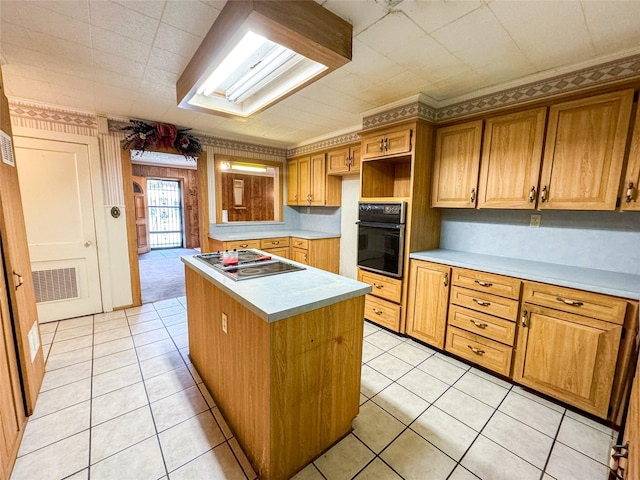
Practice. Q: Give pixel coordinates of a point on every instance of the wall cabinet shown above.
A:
(389, 142)
(428, 302)
(584, 152)
(631, 178)
(511, 159)
(382, 305)
(344, 161)
(456, 165)
(308, 183)
(568, 344)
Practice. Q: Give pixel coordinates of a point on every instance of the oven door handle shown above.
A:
(393, 226)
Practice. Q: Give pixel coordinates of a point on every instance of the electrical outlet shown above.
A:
(224, 322)
(535, 221)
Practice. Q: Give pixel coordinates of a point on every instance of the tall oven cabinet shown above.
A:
(396, 166)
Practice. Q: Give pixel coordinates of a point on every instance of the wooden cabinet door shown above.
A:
(398, 141)
(317, 180)
(631, 179)
(300, 255)
(354, 164)
(292, 182)
(18, 266)
(338, 161)
(457, 161)
(570, 357)
(428, 299)
(511, 159)
(632, 431)
(304, 179)
(584, 152)
(12, 417)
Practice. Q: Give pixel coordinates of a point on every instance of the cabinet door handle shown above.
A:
(473, 195)
(482, 303)
(20, 280)
(483, 284)
(630, 190)
(573, 303)
(376, 311)
(386, 144)
(543, 194)
(532, 195)
(478, 324)
(378, 286)
(445, 280)
(305, 258)
(477, 351)
(295, 197)
(381, 147)
(525, 314)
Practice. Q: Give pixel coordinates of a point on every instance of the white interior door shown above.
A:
(55, 185)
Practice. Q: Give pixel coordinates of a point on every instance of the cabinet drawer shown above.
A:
(485, 303)
(487, 282)
(241, 244)
(300, 243)
(274, 242)
(280, 251)
(602, 307)
(384, 287)
(382, 312)
(493, 328)
(487, 353)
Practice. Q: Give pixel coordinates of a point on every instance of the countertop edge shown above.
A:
(561, 275)
(226, 285)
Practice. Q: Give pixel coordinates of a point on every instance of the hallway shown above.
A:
(162, 274)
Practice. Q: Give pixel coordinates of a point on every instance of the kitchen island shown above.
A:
(281, 356)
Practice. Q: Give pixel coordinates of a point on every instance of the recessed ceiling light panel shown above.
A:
(259, 52)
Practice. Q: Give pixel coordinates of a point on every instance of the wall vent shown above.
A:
(58, 284)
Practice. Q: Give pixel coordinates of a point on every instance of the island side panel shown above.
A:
(316, 361)
(234, 365)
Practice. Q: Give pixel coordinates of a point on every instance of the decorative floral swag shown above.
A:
(143, 135)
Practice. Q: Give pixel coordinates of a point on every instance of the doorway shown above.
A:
(164, 213)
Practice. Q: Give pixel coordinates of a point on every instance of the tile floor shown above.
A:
(120, 400)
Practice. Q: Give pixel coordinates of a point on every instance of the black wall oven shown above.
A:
(381, 237)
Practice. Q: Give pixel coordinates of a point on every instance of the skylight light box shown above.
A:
(259, 52)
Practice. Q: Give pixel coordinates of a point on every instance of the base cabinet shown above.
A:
(428, 302)
(382, 305)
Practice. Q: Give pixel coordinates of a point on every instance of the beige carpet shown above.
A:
(162, 274)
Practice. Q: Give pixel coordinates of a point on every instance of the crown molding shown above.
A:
(325, 144)
(48, 113)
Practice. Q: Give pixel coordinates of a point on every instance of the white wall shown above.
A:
(348, 228)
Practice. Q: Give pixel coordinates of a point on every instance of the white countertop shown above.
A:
(599, 281)
(257, 234)
(275, 297)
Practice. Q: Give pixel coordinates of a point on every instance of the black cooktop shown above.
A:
(248, 265)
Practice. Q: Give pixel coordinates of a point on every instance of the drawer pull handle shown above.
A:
(478, 324)
(377, 312)
(378, 286)
(275, 243)
(482, 303)
(244, 245)
(483, 284)
(477, 351)
(445, 280)
(573, 303)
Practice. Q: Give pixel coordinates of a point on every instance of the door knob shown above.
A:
(87, 243)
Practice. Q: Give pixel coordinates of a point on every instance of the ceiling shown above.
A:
(122, 58)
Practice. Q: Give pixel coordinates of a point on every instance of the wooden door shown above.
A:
(304, 181)
(140, 209)
(546, 358)
(18, 266)
(428, 302)
(57, 199)
(293, 185)
(631, 178)
(12, 417)
(338, 161)
(584, 152)
(457, 162)
(511, 159)
(318, 180)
